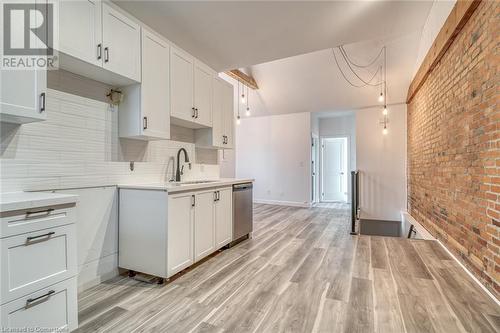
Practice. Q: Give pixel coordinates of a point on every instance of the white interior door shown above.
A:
(334, 169)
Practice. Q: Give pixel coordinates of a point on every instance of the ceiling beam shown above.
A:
(459, 15)
(243, 78)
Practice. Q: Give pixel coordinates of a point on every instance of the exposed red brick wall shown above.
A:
(453, 147)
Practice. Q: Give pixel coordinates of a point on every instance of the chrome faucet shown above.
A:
(179, 171)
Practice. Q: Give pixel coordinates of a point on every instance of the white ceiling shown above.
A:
(234, 34)
(286, 45)
(313, 82)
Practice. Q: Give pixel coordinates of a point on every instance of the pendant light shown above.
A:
(247, 113)
(238, 120)
(243, 94)
(381, 96)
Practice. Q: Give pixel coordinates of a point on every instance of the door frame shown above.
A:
(315, 168)
(348, 157)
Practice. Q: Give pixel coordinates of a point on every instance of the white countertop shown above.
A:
(176, 187)
(25, 200)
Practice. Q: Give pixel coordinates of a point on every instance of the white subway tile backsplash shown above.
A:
(78, 146)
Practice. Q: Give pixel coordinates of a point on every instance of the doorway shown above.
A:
(334, 166)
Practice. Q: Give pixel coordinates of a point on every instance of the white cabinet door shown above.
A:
(155, 86)
(224, 217)
(122, 44)
(204, 224)
(52, 308)
(23, 92)
(180, 232)
(23, 96)
(228, 115)
(181, 85)
(80, 30)
(217, 113)
(203, 94)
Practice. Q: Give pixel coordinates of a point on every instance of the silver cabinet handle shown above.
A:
(193, 200)
(145, 123)
(196, 110)
(42, 102)
(99, 51)
(193, 114)
(31, 300)
(30, 238)
(47, 211)
(106, 54)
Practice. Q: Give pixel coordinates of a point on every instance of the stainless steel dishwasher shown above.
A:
(242, 211)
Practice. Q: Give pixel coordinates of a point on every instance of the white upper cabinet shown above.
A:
(181, 85)
(121, 40)
(191, 90)
(145, 110)
(217, 134)
(23, 92)
(203, 94)
(221, 133)
(155, 97)
(23, 96)
(94, 35)
(80, 33)
(228, 115)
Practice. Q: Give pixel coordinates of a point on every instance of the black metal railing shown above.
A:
(354, 200)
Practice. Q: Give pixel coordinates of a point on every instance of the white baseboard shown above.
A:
(283, 203)
(422, 231)
(470, 273)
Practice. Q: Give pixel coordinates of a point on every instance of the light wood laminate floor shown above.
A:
(301, 272)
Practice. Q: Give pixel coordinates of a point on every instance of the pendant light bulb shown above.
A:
(243, 98)
(247, 113)
(381, 97)
(384, 112)
(238, 120)
(384, 131)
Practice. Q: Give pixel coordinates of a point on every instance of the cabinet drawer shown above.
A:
(23, 221)
(34, 260)
(53, 307)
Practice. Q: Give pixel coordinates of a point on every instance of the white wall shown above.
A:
(381, 160)
(437, 16)
(342, 126)
(276, 151)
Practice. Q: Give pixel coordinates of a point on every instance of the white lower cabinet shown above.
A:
(51, 308)
(204, 242)
(161, 234)
(38, 269)
(181, 209)
(223, 217)
(34, 260)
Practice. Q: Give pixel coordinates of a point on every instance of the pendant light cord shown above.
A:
(361, 66)
(365, 83)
